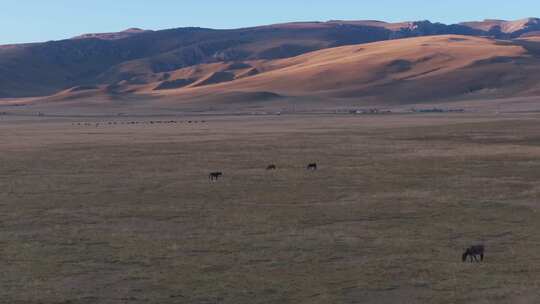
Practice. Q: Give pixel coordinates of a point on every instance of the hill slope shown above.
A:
(396, 72)
(406, 70)
(136, 56)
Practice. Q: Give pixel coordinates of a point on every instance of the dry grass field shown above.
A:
(126, 213)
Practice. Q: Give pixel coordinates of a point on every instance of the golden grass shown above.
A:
(365, 65)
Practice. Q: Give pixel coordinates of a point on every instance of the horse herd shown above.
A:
(474, 253)
(151, 122)
(214, 176)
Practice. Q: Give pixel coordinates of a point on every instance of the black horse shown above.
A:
(312, 167)
(215, 175)
(473, 253)
(271, 167)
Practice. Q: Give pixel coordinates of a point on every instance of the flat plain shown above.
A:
(126, 213)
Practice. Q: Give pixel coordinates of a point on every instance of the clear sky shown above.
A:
(42, 20)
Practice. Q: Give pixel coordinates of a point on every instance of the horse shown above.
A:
(312, 166)
(215, 175)
(271, 167)
(474, 252)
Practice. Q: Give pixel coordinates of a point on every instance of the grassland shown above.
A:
(126, 213)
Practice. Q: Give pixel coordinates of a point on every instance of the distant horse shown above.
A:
(473, 253)
(215, 175)
(312, 167)
(271, 167)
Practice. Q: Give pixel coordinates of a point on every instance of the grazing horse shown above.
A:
(312, 166)
(271, 167)
(474, 252)
(215, 175)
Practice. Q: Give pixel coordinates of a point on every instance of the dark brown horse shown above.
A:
(312, 167)
(215, 175)
(473, 253)
(271, 167)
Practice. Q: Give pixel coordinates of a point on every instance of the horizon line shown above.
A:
(260, 25)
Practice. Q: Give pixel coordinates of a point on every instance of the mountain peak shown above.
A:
(508, 27)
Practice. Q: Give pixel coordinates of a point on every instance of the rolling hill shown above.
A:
(371, 61)
(400, 71)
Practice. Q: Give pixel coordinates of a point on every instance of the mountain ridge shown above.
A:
(487, 25)
(112, 35)
(138, 57)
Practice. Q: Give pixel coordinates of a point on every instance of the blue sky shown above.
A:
(42, 20)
